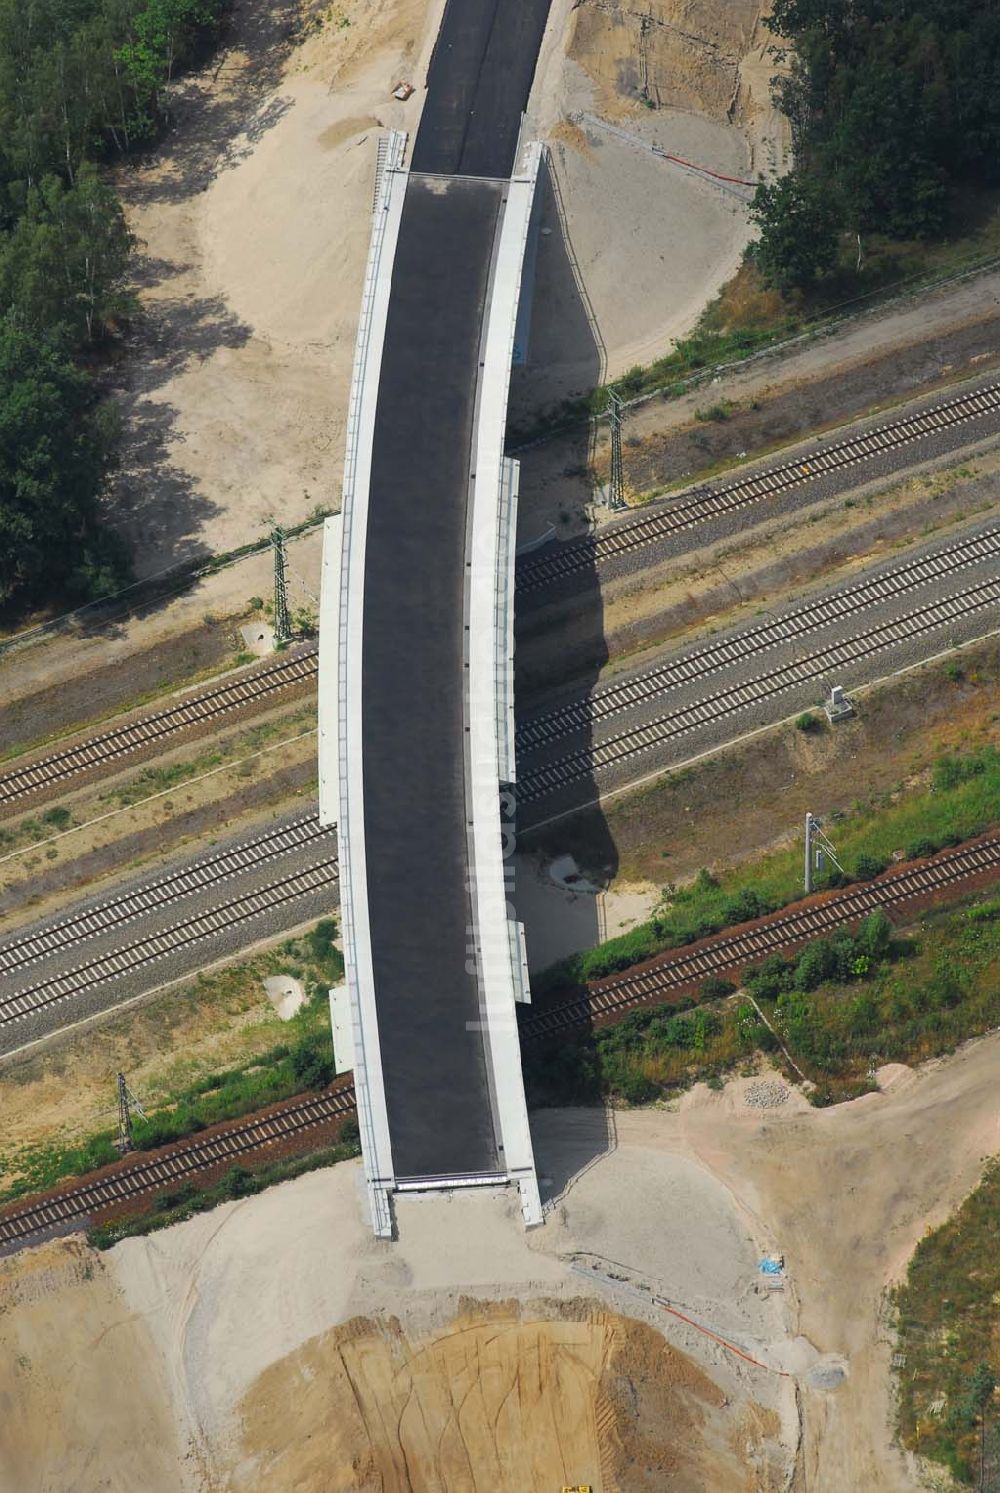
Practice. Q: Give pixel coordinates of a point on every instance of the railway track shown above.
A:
(578, 556)
(579, 765)
(187, 1160)
(176, 885)
(701, 662)
(104, 969)
(533, 573)
(534, 784)
(608, 998)
(728, 951)
(207, 705)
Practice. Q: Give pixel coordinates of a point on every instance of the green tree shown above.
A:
(798, 231)
(65, 263)
(55, 450)
(893, 105)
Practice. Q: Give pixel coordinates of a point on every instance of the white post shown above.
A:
(809, 851)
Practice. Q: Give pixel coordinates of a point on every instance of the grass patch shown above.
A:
(949, 1327)
(303, 1059)
(838, 1004)
(963, 801)
(185, 1201)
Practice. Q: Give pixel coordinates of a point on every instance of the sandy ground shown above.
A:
(69, 1349)
(511, 1396)
(353, 1350)
(255, 223)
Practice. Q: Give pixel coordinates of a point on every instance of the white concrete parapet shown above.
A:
(504, 584)
(340, 666)
(343, 1030)
(489, 614)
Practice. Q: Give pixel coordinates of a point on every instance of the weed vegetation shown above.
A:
(949, 1335)
(301, 1061)
(841, 1007)
(157, 779)
(962, 801)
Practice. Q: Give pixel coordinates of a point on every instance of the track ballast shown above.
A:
(558, 561)
(605, 1000)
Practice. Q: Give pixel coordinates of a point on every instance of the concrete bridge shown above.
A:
(416, 635)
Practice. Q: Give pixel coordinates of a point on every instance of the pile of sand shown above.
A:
(510, 1396)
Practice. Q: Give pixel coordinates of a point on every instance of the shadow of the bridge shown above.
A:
(565, 339)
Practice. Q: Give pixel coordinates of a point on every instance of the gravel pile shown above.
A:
(767, 1094)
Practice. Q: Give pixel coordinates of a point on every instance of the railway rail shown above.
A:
(188, 1159)
(236, 860)
(728, 951)
(826, 611)
(604, 1000)
(44, 994)
(579, 765)
(533, 572)
(535, 782)
(574, 557)
(232, 694)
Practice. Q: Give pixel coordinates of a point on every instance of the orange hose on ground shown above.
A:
(731, 1346)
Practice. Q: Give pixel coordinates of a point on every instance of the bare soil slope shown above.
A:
(648, 241)
(82, 1399)
(508, 1397)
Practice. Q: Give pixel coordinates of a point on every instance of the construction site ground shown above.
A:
(565, 1366)
(225, 1346)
